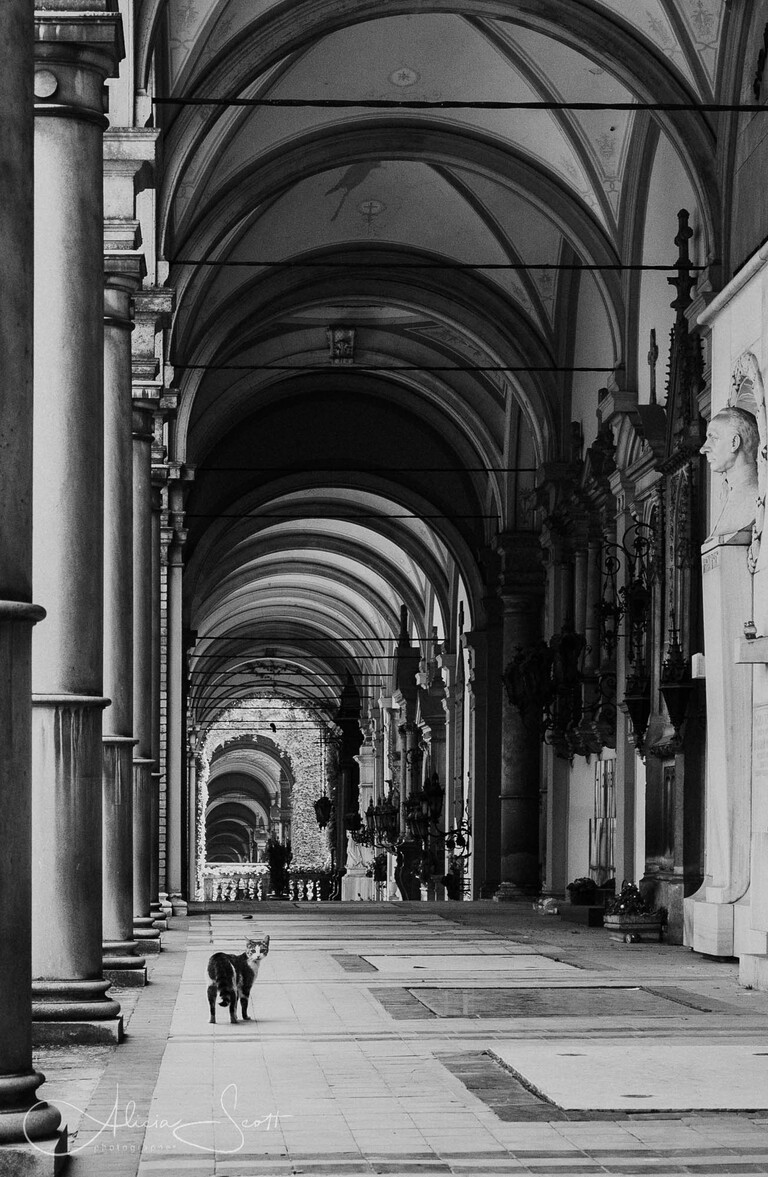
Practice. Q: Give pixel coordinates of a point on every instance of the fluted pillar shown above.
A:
(143, 761)
(122, 963)
(18, 1081)
(74, 52)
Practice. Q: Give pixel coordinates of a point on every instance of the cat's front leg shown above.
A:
(244, 1008)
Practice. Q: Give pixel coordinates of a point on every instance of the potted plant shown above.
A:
(632, 915)
(582, 892)
(378, 869)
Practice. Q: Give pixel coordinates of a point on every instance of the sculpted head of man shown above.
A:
(732, 441)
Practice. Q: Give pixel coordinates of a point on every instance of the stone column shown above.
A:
(75, 52)
(192, 822)
(143, 762)
(475, 642)
(152, 306)
(628, 855)
(18, 1081)
(175, 820)
(122, 963)
(356, 884)
(521, 591)
(555, 770)
(168, 403)
(157, 906)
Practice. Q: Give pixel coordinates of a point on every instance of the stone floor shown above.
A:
(424, 1038)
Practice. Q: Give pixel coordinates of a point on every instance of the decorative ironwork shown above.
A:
(637, 704)
(323, 808)
(631, 601)
(528, 682)
(676, 682)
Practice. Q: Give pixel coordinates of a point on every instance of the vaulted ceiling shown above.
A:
(304, 187)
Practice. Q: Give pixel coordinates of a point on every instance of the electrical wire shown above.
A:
(457, 104)
(320, 264)
(357, 368)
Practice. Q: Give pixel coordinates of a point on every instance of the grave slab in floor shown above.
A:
(584, 1002)
(453, 964)
(643, 1074)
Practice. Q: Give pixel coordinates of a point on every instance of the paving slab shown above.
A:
(621, 1074)
(425, 1038)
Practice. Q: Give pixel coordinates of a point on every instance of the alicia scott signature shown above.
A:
(183, 1132)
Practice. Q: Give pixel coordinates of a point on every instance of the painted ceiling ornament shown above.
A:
(703, 19)
(341, 344)
(404, 77)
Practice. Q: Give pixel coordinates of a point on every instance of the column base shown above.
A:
(122, 965)
(23, 1117)
(43, 1158)
(161, 923)
(147, 935)
(178, 905)
(145, 932)
(510, 893)
(80, 1032)
(164, 904)
(126, 978)
(59, 1001)
(712, 927)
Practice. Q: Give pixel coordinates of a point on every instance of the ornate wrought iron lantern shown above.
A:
(386, 822)
(676, 682)
(637, 704)
(417, 816)
(434, 792)
(323, 807)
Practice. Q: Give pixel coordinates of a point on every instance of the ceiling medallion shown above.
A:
(404, 76)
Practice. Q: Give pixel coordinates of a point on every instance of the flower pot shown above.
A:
(639, 924)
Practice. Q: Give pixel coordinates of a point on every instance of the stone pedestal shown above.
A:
(727, 586)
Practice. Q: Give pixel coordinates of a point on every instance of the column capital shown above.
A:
(521, 571)
(77, 46)
(173, 533)
(152, 309)
(124, 269)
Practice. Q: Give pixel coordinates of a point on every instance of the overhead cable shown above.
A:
(456, 104)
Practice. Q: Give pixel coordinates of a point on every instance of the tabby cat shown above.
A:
(232, 977)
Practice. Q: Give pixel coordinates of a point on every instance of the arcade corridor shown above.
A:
(383, 476)
(413, 1039)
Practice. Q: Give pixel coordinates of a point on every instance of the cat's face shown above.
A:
(256, 949)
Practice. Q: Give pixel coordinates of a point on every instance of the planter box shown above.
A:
(582, 913)
(582, 898)
(639, 925)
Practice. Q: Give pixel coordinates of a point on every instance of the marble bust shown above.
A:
(731, 450)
